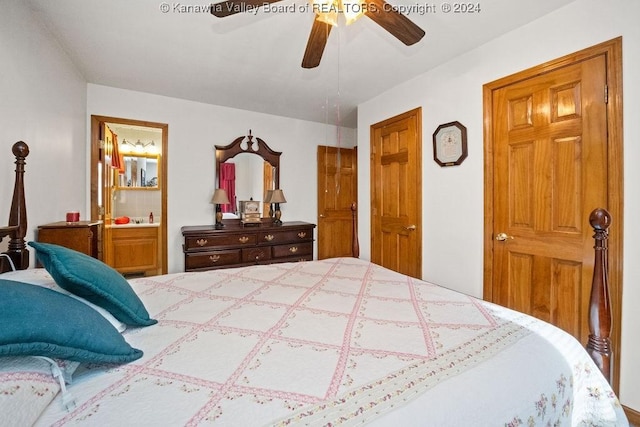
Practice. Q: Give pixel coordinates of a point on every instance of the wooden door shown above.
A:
(337, 190)
(396, 193)
(102, 181)
(553, 154)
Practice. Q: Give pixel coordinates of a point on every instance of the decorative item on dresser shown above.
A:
(277, 197)
(250, 212)
(207, 248)
(219, 198)
(81, 236)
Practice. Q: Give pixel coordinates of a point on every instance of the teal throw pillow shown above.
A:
(36, 321)
(94, 281)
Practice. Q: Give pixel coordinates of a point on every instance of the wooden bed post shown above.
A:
(355, 245)
(17, 228)
(599, 344)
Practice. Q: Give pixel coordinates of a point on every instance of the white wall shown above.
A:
(42, 102)
(194, 129)
(453, 197)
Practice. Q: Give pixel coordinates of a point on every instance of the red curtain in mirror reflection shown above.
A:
(228, 183)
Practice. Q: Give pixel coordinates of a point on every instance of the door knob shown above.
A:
(503, 236)
(410, 227)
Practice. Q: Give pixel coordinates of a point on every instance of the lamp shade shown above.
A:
(277, 196)
(220, 197)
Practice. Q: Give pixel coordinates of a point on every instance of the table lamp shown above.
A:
(219, 198)
(277, 197)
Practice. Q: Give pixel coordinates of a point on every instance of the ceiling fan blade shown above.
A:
(231, 7)
(388, 17)
(316, 43)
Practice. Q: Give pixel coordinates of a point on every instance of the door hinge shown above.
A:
(606, 94)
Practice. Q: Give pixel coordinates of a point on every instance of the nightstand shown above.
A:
(81, 236)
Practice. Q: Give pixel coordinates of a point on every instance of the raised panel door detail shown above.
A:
(135, 254)
(520, 112)
(566, 103)
(521, 183)
(567, 185)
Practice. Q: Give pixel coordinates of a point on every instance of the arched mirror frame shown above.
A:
(246, 144)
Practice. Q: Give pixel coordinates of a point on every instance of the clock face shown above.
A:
(251, 207)
(450, 144)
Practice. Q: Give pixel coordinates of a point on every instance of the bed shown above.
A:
(333, 342)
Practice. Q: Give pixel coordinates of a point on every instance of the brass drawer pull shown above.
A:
(302, 234)
(202, 242)
(214, 258)
(293, 249)
(243, 239)
(269, 237)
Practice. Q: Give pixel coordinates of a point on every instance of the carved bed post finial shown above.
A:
(599, 343)
(17, 248)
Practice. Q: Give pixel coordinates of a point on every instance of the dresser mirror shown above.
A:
(251, 168)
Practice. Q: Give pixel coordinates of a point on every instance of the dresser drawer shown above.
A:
(276, 237)
(206, 242)
(207, 260)
(207, 247)
(293, 250)
(256, 254)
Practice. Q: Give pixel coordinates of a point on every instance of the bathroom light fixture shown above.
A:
(127, 147)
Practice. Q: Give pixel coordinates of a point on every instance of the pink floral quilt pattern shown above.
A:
(337, 341)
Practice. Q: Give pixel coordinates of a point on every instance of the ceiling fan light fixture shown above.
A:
(352, 10)
(330, 18)
(327, 10)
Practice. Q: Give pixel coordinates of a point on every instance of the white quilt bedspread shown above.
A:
(336, 342)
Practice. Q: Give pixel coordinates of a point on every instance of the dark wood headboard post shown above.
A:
(599, 344)
(17, 229)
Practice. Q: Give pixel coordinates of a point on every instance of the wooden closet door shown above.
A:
(550, 172)
(337, 190)
(396, 193)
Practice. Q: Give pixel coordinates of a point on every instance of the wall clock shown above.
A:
(450, 144)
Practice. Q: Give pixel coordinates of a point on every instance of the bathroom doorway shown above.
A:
(128, 193)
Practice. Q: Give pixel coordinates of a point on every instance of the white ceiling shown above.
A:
(252, 61)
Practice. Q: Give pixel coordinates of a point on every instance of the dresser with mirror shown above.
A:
(249, 170)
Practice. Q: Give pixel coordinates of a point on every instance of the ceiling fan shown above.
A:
(381, 12)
